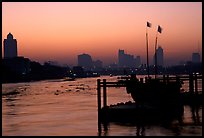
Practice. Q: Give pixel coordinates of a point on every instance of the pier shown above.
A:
(192, 96)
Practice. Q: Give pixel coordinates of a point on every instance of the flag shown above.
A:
(159, 29)
(149, 24)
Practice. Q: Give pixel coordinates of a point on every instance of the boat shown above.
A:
(132, 113)
(163, 96)
(154, 101)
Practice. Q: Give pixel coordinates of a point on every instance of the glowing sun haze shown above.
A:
(60, 31)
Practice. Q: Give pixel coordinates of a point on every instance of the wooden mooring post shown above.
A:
(191, 86)
(164, 79)
(167, 78)
(104, 93)
(196, 84)
(99, 103)
(141, 80)
(104, 84)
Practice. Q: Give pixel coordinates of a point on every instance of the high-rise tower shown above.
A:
(195, 57)
(10, 47)
(160, 57)
(85, 61)
(121, 54)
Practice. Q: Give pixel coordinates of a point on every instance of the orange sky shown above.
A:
(60, 31)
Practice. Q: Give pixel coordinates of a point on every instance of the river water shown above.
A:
(69, 108)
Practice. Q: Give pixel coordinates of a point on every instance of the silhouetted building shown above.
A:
(54, 63)
(129, 61)
(182, 62)
(78, 71)
(19, 65)
(121, 55)
(85, 61)
(196, 58)
(160, 57)
(137, 61)
(10, 47)
(113, 66)
(126, 60)
(97, 64)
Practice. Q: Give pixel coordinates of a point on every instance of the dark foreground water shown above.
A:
(69, 108)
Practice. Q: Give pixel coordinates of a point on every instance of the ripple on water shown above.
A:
(36, 110)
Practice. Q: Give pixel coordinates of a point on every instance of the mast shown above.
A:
(155, 56)
(147, 53)
(158, 30)
(148, 25)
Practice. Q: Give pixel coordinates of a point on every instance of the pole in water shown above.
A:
(104, 93)
(99, 103)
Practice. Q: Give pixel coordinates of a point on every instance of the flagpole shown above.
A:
(156, 56)
(147, 53)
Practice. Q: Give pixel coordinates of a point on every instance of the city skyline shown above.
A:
(61, 31)
(85, 60)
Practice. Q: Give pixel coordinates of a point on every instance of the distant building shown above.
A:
(78, 71)
(160, 57)
(97, 64)
(10, 47)
(85, 61)
(137, 61)
(53, 63)
(195, 57)
(121, 54)
(113, 66)
(19, 65)
(127, 60)
(182, 62)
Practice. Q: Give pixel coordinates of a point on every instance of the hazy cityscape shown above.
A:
(123, 59)
(102, 69)
(26, 69)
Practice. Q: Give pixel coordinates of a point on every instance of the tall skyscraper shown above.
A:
(160, 57)
(10, 47)
(195, 57)
(85, 61)
(121, 54)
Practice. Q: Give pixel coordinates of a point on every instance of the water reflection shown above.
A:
(140, 131)
(177, 127)
(35, 109)
(195, 114)
(10, 101)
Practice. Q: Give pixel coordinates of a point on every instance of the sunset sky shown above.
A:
(59, 31)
